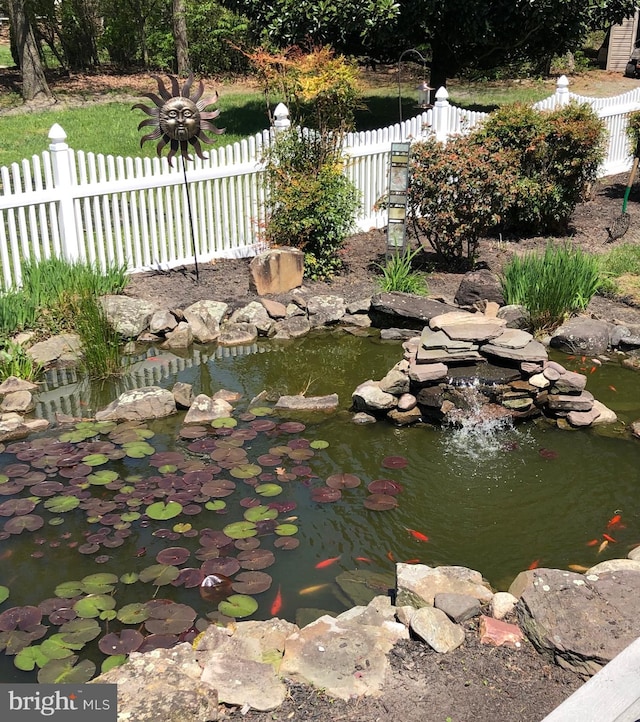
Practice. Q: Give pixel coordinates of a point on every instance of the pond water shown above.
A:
(495, 498)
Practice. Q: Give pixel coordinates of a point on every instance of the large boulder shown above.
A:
(276, 271)
(405, 310)
(582, 335)
(148, 402)
(480, 285)
(128, 316)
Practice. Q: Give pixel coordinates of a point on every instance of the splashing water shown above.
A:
(479, 430)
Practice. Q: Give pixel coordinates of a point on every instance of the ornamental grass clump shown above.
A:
(398, 275)
(552, 285)
(15, 361)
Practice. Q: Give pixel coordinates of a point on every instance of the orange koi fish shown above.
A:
(609, 538)
(614, 521)
(603, 546)
(592, 543)
(365, 560)
(327, 562)
(534, 564)
(612, 388)
(578, 568)
(417, 535)
(390, 556)
(276, 605)
(593, 368)
(314, 588)
(411, 561)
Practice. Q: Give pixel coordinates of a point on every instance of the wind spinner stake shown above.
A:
(179, 120)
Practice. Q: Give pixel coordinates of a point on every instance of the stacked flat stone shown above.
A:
(509, 370)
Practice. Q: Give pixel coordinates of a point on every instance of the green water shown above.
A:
(485, 495)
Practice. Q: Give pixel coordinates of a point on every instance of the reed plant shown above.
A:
(398, 275)
(551, 285)
(15, 361)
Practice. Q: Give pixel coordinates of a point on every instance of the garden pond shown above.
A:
(109, 530)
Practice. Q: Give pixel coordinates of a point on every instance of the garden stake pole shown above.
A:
(193, 235)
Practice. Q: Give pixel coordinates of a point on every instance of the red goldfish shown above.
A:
(411, 561)
(327, 562)
(276, 605)
(417, 535)
(365, 560)
(390, 556)
(592, 543)
(534, 564)
(609, 538)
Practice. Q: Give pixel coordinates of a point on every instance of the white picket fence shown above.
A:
(134, 211)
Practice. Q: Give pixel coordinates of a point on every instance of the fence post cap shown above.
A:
(442, 93)
(57, 134)
(562, 82)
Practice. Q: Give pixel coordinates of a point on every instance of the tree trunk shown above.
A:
(443, 64)
(34, 83)
(180, 37)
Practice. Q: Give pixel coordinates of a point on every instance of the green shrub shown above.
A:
(15, 361)
(457, 193)
(633, 130)
(551, 285)
(556, 154)
(398, 275)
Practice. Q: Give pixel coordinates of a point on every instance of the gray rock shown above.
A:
(431, 339)
(396, 334)
(21, 402)
(513, 338)
(202, 332)
(516, 316)
(458, 607)
(407, 402)
(58, 351)
(533, 352)
(256, 314)
(436, 629)
(360, 320)
(418, 584)
(394, 382)
(292, 327)
(210, 313)
(582, 621)
(581, 419)
(204, 409)
(363, 418)
(614, 565)
(362, 305)
(481, 285)
(616, 334)
(13, 383)
(277, 270)
(171, 681)
(570, 382)
(275, 309)
(237, 334)
(570, 402)
(308, 403)
(325, 310)
(181, 337)
(605, 414)
(582, 335)
(148, 402)
(427, 373)
(128, 316)
(13, 426)
(627, 343)
(162, 321)
(404, 418)
(368, 396)
(502, 604)
(415, 310)
(183, 394)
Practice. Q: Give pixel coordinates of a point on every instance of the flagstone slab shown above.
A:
(513, 338)
(439, 339)
(533, 352)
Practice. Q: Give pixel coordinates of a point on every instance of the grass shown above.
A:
(15, 361)
(551, 285)
(620, 269)
(398, 275)
(6, 59)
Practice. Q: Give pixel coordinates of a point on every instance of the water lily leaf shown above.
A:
(129, 640)
(268, 489)
(23, 618)
(160, 510)
(286, 529)
(112, 662)
(216, 505)
(319, 444)
(224, 423)
(286, 542)
(102, 477)
(171, 618)
(222, 565)
(292, 427)
(92, 605)
(17, 507)
(324, 494)
(173, 555)
(60, 504)
(252, 582)
(129, 578)
(182, 528)
(28, 522)
(245, 471)
(159, 574)
(67, 590)
(79, 631)
(4, 593)
(101, 583)
(28, 658)
(394, 462)
(238, 605)
(218, 487)
(133, 613)
(253, 559)
(107, 615)
(240, 530)
(138, 449)
(301, 454)
(261, 410)
(343, 481)
(95, 459)
(167, 468)
(380, 502)
(130, 516)
(188, 578)
(260, 513)
(17, 640)
(384, 486)
(55, 648)
(66, 671)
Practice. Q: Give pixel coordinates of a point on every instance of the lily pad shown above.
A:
(240, 530)
(324, 494)
(215, 587)
(61, 504)
(67, 671)
(95, 459)
(171, 618)
(129, 640)
(319, 444)
(286, 530)
(268, 489)
(138, 449)
(380, 502)
(173, 555)
(159, 574)
(222, 565)
(102, 477)
(217, 505)
(101, 583)
(17, 507)
(394, 462)
(23, 618)
(28, 522)
(292, 427)
(253, 559)
(91, 606)
(30, 657)
(4, 593)
(129, 578)
(238, 605)
(260, 513)
(287, 542)
(79, 631)
(343, 481)
(133, 613)
(116, 660)
(252, 582)
(163, 511)
(384, 486)
(224, 423)
(245, 471)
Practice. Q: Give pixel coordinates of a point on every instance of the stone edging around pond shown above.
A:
(580, 621)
